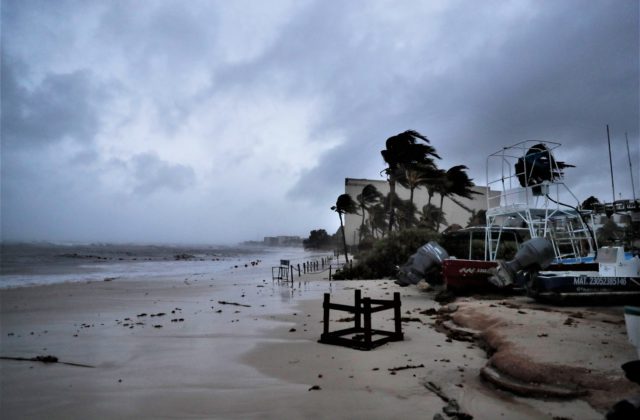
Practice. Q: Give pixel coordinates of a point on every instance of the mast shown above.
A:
(613, 187)
(633, 189)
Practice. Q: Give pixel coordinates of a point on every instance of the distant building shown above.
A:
(454, 214)
(282, 240)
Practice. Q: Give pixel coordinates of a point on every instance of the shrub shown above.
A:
(387, 253)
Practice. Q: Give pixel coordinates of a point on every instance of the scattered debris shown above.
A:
(222, 302)
(436, 390)
(394, 369)
(44, 359)
(429, 312)
(408, 319)
(347, 319)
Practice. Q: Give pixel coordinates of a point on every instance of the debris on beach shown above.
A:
(315, 388)
(183, 257)
(48, 359)
(409, 319)
(222, 302)
(395, 369)
(436, 390)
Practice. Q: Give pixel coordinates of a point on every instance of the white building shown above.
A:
(454, 214)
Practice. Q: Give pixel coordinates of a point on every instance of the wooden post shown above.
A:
(367, 322)
(397, 317)
(329, 272)
(292, 275)
(358, 308)
(298, 270)
(325, 317)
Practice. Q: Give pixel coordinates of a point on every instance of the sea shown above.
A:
(32, 264)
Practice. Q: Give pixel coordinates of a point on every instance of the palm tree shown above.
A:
(590, 203)
(406, 213)
(432, 217)
(456, 183)
(477, 218)
(344, 204)
(435, 183)
(414, 176)
(404, 149)
(378, 219)
(369, 196)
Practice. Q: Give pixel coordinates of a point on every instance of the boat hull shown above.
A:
(464, 276)
(582, 283)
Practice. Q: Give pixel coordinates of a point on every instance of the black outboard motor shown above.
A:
(535, 254)
(427, 258)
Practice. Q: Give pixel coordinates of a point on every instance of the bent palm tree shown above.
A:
(414, 176)
(404, 149)
(344, 204)
(456, 183)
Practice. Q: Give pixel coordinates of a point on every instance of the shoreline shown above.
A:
(213, 358)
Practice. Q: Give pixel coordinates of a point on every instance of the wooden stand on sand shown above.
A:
(362, 336)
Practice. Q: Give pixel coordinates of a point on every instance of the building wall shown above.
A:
(453, 213)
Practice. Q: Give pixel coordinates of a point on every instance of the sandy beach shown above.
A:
(246, 347)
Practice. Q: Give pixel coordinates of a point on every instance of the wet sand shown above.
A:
(246, 347)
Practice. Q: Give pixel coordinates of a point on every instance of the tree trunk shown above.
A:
(392, 193)
(362, 224)
(440, 215)
(344, 240)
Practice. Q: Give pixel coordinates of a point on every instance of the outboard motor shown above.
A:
(536, 253)
(428, 257)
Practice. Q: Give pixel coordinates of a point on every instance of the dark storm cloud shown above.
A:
(560, 74)
(60, 106)
(267, 108)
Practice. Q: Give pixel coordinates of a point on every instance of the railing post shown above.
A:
(358, 309)
(325, 317)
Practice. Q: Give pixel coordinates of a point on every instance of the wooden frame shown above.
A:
(362, 336)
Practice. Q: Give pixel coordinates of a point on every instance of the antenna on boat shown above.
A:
(633, 188)
(613, 187)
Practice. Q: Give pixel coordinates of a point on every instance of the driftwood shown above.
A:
(44, 359)
(394, 369)
(436, 390)
(222, 302)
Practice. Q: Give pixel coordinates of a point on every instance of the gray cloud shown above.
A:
(61, 106)
(268, 108)
(151, 174)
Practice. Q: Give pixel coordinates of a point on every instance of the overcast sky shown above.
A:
(222, 121)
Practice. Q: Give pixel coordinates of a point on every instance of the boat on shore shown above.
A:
(526, 201)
